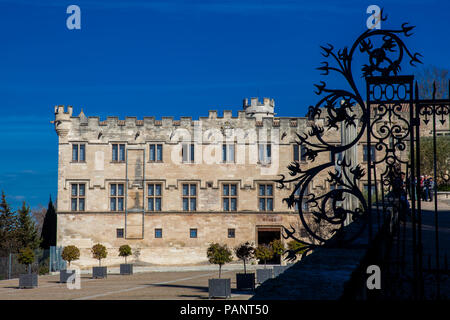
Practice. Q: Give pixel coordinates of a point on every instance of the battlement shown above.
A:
(59, 110)
(254, 108)
(72, 127)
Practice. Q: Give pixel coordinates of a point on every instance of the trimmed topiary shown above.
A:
(70, 253)
(99, 252)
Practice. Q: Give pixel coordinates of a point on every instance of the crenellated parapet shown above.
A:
(134, 130)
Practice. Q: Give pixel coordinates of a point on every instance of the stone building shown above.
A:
(169, 188)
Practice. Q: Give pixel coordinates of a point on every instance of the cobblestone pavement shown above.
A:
(142, 286)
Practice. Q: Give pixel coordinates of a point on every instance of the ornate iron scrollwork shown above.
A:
(385, 52)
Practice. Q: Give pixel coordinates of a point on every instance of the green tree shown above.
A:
(26, 232)
(295, 245)
(70, 253)
(278, 247)
(26, 257)
(8, 223)
(125, 251)
(48, 234)
(244, 252)
(264, 252)
(442, 155)
(99, 252)
(219, 254)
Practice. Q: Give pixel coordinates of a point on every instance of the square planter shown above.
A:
(99, 272)
(264, 274)
(219, 288)
(64, 275)
(126, 269)
(245, 281)
(29, 280)
(277, 270)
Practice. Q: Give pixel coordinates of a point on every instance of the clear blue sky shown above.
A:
(170, 58)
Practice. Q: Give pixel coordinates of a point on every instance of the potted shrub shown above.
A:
(125, 251)
(264, 252)
(30, 280)
(278, 250)
(69, 254)
(219, 254)
(245, 280)
(99, 252)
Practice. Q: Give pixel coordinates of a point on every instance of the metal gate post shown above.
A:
(9, 265)
(50, 260)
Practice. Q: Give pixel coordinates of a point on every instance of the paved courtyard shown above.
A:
(140, 286)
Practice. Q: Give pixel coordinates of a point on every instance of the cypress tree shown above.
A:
(26, 232)
(48, 234)
(7, 228)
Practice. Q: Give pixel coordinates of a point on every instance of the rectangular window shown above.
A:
(265, 197)
(156, 152)
(119, 233)
(193, 233)
(78, 152)
(118, 152)
(231, 233)
(154, 196)
(158, 233)
(228, 152)
(302, 153)
(373, 192)
(264, 152)
(116, 197)
(189, 197)
(299, 153)
(187, 152)
(229, 196)
(78, 195)
(366, 153)
(302, 201)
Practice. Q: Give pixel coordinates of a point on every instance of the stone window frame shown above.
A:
(156, 233)
(120, 233)
(190, 150)
(265, 196)
(298, 152)
(154, 196)
(191, 230)
(77, 197)
(155, 145)
(229, 196)
(189, 196)
(365, 153)
(305, 205)
(267, 149)
(78, 152)
(225, 152)
(117, 196)
(231, 233)
(118, 160)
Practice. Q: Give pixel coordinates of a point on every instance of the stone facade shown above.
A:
(93, 166)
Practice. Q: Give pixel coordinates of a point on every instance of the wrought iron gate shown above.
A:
(384, 186)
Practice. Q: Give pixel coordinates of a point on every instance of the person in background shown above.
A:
(422, 187)
(432, 185)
